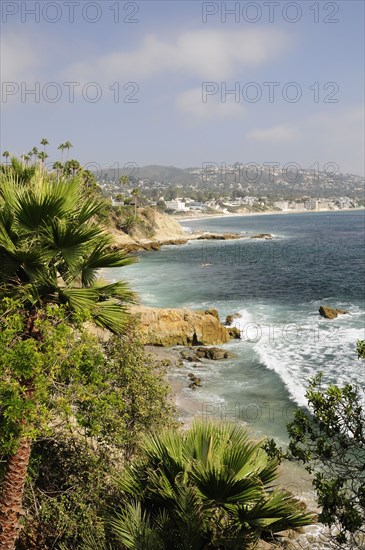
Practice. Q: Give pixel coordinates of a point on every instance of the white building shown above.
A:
(312, 204)
(176, 205)
(283, 205)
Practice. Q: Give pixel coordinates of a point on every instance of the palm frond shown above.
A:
(276, 513)
(89, 209)
(119, 290)
(111, 315)
(167, 451)
(79, 298)
(71, 240)
(5, 238)
(102, 257)
(221, 487)
(134, 531)
(8, 265)
(34, 212)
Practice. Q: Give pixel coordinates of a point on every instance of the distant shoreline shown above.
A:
(205, 216)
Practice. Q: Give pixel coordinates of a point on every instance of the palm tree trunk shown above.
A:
(11, 495)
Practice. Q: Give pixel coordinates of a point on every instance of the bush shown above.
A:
(101, 412)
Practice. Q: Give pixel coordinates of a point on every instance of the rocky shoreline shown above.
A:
(157, 230)
(168, 327)
(154, 244)
(293, 477)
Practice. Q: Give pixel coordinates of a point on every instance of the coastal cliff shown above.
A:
(180, 327)
(148, 231)
(151, 229)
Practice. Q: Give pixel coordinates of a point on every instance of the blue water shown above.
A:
(277, 286)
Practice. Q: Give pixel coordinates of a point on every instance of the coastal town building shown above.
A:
(177, 205)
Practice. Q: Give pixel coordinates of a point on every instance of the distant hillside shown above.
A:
(262, 181)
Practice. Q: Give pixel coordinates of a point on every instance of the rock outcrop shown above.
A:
(231, 318)
(234, 332)
(213, 353)
(331, 312)
(180, 327)
(206, 236)
(262, 236)
(216, 354)
(195, 381)
(155, 229)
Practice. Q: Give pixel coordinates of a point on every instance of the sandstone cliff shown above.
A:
(154, 229)
(150, 230)
(174, 327)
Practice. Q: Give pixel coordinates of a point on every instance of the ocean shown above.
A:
(277, 287)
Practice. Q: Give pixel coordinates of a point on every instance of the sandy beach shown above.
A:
(205, 216)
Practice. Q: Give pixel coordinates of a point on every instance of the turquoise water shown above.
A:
(277, 287)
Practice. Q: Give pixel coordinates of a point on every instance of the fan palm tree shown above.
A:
(71, 167)
(35, 153)
(50, 253)
(62, 147)
(44, 142)
(58, 167)
(136, 193)
(209, 487)
(68, 146)
(123, 180)
(42, 156)
(6, 155)
(18, 171)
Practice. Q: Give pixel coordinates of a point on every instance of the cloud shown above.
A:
(324, 137)
(20, 56)
(208, 54)
(274, 134)
(191, 102)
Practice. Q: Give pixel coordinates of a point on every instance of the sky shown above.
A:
(186, 82)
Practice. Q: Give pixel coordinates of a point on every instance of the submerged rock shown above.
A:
(232, 317)
(218, 236)
(214, 354)
(262, 236)
(331, 312)
(195, 381)
(188, 355)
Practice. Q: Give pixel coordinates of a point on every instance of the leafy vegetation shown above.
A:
(103, 400)
(86, 424)
(208, 487)
(50, 252)
(330, 441)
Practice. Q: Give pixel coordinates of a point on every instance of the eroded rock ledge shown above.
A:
(180, 327)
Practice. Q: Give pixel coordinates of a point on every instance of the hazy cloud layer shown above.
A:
(206, 54)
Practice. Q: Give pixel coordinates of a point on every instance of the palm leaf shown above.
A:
(70, 240)
(134, 530)
(32, 211)
(102, 257)
(89, 209)
(167, 451)
(276, 513)
(118, 290)
(79, 298)
(111, 315)
(222, 487)
(5, 239)
(8, 265)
